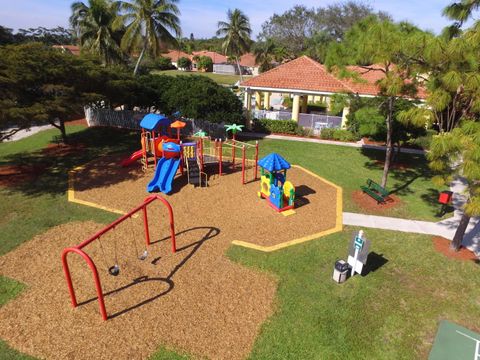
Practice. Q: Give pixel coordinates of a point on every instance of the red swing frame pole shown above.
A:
(79, 249)
(243, 164)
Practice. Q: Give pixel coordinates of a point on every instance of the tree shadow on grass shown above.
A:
(57, 160)
(405, 171)
(208, 233)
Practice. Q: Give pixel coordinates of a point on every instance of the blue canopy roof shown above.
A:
(152, 122)
(274, 162)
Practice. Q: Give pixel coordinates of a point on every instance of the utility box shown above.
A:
(340, 271)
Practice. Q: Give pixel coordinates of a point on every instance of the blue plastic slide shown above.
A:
(164, 174)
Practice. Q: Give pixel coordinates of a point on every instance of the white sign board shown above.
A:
(358, 252)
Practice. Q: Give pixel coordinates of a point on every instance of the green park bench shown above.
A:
(376, 191)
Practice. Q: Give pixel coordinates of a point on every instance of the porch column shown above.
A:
(258, 100)
(304, 104)
(296, 107)
(346, 111)
(248, 105)
(266, 101)
(328, 101)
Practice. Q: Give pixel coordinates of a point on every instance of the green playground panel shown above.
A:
(454, 342)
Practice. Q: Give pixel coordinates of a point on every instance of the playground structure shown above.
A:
(168, 154)
(114, 270)
(274, 186)
(227, 154)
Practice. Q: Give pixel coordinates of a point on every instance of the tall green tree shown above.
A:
(150, 24)
(264, 54)
(236, 32)
(457, 154)
(94, 26)
(39, 84)
(378, 47)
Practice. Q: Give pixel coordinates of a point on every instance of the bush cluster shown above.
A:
(338, 134)
(276, 126)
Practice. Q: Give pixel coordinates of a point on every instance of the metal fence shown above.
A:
(310, 121)
(128, 119)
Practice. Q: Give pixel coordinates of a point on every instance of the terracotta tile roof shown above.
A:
(306, 74)
(248, 60)
(174, 55)
(73, 49)
(302, 73)
(216, 57)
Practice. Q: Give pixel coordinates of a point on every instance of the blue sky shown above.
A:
(200, 17)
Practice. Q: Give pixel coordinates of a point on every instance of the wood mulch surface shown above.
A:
(196, 300)
(442, 245)
(367, 203)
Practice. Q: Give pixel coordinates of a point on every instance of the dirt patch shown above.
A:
(78, 122)
(395, 165)
(442, 245)
(367, 203)
(63, 149)
(11, 175)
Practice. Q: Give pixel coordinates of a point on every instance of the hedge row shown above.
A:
(276, 126)
(338, 134)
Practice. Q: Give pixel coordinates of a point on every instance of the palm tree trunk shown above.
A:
(460, 233)
(137, 65)
(239, 69)
(388, 155)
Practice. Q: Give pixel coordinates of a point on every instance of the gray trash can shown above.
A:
(340, 271)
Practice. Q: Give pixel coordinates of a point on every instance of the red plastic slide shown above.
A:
(132, 158)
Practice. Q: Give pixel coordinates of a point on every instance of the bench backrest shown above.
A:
(374, 186)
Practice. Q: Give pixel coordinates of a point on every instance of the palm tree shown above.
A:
(265, 54)
(93, 25)
(234, 128)
(236, 32)
(149, 24)
(461, 10)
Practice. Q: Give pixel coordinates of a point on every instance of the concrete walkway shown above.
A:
(28, 132)
(358, 144)
(445, 228)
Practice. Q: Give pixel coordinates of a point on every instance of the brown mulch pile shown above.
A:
(11, 175)
(225, 203)
(442, 245)
(196, 300)
(368, 203)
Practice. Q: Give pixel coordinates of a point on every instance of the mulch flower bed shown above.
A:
(442, 245)
(369, 204)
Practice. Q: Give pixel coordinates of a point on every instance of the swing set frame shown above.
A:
(79, 249)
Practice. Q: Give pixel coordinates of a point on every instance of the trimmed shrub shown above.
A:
(276, 126)
(184, 63)
(205, 63)
(338, 135)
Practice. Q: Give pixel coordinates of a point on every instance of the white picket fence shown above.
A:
(129, 119)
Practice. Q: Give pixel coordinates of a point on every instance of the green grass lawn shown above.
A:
(218, 78)
(392, 313)
(351, 167)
